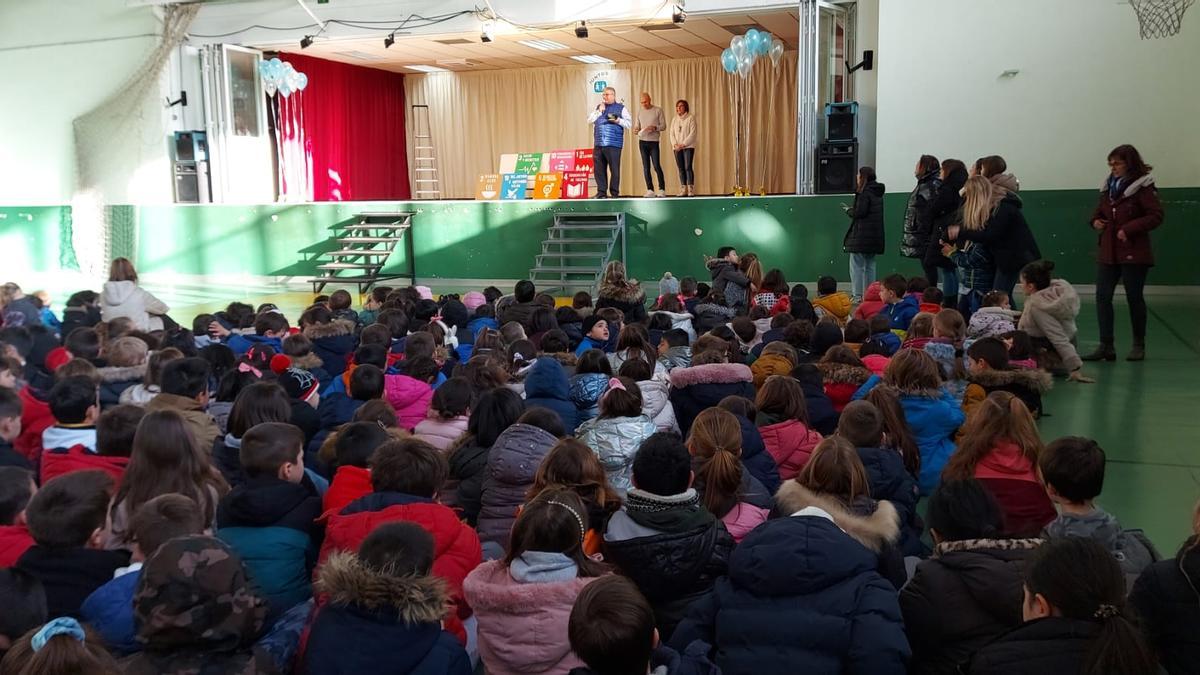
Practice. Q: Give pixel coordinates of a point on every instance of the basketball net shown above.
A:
(1160, 18)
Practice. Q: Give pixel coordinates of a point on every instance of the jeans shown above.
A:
(650, 150)
(1007, 281)
(683, 160)
(607, 159)
(862, 273)
(949, 281)
(1133, 277)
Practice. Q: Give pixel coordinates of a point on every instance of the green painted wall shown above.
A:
(498, 240)
(36, 239)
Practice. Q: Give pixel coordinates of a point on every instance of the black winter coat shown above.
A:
(892, 482)
(961, 599)
(944, 211)
(699, 387)
(1166, 599)
(801, 596)
(1050, 646)
(865, 234)
(755, 458)
(464, 486)
(673, 569)
(630, 299)
(1007, 236)
(917, 221)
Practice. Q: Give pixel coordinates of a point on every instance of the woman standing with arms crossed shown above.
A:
(1128, 210)
(683, 141)
(865, 237)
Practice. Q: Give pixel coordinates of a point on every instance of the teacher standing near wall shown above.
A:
(1128, 210)
(683, 142)
(610, 119)
(650, 124)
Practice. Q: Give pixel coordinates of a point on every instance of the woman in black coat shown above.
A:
(918, 226)
(969, 592)
(944, 211)
(993, 217)
(1076, 619)
(865, 237)
(1168, 603)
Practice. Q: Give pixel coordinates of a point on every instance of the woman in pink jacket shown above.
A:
(783, 422)
(411, 394)
(524, 601)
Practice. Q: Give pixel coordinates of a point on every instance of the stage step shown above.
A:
(348, 266)
(564, 267)
(369, 237)
(367, 240)
(350, 252)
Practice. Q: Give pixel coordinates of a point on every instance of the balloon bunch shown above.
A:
(744, 50)
(282, 77)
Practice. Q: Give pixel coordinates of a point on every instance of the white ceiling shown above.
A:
(642, 41)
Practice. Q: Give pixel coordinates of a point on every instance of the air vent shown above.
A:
(360, 56)
(461, 63)
(455, 41)
(661, 26)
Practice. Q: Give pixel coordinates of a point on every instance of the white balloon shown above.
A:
(738, 45)
(776, 51)
(744, 68)
(270, 86)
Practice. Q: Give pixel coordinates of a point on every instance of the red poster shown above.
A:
(583, 160)
(575, 183)
(562, 161)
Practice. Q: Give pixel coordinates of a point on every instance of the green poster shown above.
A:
(529, 162)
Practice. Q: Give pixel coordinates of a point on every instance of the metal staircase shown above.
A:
(577, 248)
(364, 245)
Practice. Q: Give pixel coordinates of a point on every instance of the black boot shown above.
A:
(1137, 352)
(1103, 352)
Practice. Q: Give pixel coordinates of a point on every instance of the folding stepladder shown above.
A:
(425, 170)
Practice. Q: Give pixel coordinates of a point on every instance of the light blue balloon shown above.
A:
(285, 89)
(301, 81)
(276, 62)
(729, 60)
(752, 40)
(764, 43)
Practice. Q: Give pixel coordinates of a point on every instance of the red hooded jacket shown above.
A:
(57, 462)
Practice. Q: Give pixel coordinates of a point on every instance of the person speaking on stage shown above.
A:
(610, 120)
(650, 123)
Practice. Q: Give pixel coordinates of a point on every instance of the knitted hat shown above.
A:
(668, 285)
(425, 292)
(590, 322)
(299, 384)
(472, 300)
(56, 358)
(280, 363)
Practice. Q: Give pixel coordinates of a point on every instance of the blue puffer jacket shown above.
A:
(891, 481)
(585, 391)
(800, 591)
(546, 386)
(109, 609)
(334, 342)
(933, 418)
(240, 344)
(755, 458)
(378, 623)
(902, 312)
(269, 522)
(478, 324)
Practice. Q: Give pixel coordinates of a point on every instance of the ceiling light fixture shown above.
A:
(592, 58)
(486, 34)
(543, 45)
(427, 69)
(581, 30)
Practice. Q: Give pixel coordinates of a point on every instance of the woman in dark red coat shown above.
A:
(1128, 210)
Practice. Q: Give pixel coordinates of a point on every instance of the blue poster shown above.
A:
(514, 186)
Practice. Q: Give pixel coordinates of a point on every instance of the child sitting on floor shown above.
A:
(898, 307)
(994, 317)
(831, 302)
(75, 404)
(16, 490)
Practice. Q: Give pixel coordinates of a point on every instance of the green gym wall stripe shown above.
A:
(498, 240)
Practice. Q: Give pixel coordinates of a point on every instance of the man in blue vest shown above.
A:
(610, 120)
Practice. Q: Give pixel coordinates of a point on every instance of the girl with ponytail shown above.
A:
(618, 432)
(1076, 618)
(726, 489)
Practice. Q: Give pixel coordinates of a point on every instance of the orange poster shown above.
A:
(488, 186)
(547, 186)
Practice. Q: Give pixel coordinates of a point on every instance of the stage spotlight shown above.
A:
(678, 16)
(581, 31)
(306, 42)
(389, 41)
(486, 35)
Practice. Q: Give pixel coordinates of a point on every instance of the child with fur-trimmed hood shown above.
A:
(385, 610)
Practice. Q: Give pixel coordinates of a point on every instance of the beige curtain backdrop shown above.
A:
(476, 117)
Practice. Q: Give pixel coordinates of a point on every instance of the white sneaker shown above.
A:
(649, 193)
(662, 193)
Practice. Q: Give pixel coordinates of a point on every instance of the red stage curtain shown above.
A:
(353, 125)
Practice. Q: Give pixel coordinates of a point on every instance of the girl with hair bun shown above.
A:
(1076, 618)
(726, 489)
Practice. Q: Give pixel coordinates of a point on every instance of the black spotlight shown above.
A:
(306, 42)
(581, 31)
(389, 41)
(678, 16)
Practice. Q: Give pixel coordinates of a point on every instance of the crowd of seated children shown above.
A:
(730, 481)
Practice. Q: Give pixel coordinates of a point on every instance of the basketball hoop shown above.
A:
(1160, 18)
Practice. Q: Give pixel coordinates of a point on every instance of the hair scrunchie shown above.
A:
(60, 626)
(613, 384)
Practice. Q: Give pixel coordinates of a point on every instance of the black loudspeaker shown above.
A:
(191, 146)
(837, 165)
(192, 183)
(841, 121)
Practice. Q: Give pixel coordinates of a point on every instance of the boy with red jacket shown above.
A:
(16, 490)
